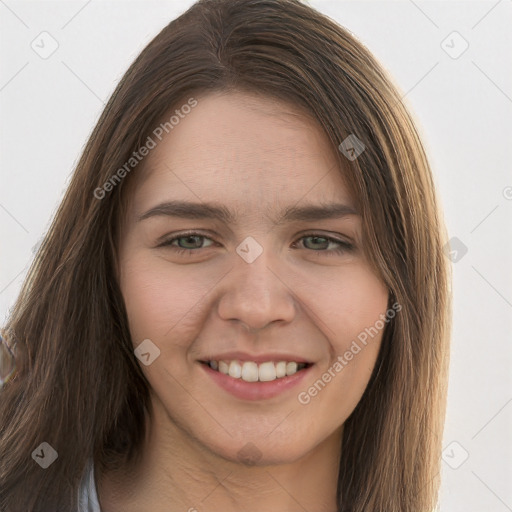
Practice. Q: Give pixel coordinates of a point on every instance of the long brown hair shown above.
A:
(77, 384)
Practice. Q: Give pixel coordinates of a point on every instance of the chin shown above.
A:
(259, 452)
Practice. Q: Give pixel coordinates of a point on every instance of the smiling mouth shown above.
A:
(250, 371)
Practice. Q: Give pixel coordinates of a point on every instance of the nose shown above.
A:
(255, 294)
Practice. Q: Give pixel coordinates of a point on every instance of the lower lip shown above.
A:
(256, 390)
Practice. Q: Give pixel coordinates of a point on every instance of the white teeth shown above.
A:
(235, 370)
(250, 371)
(223, 367)
(267, 372)
(281, 369)
(291, 368)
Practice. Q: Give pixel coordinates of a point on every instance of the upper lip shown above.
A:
(257, 358)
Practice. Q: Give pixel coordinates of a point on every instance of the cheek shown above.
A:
(356, 317)
(364, 309)
(364, 301)
(344, 301)
(160, 297)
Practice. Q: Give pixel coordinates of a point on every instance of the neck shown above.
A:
(176, 474)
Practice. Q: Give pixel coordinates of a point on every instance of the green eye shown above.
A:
(321, 243)
(188, 243)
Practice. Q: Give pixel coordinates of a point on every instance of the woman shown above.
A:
(242, 302)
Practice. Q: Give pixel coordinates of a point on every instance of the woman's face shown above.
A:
(225, 256)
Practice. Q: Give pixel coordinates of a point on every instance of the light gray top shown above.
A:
(88, 498)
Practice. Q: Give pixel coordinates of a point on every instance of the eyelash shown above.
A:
(344, 246)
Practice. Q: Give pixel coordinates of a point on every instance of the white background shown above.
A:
(464, 109)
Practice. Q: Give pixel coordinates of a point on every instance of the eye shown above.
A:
(321, 243)
(188, 243)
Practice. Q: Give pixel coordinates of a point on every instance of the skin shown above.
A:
(257, 157)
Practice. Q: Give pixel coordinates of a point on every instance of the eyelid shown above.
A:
(335, 237)
(345, 245)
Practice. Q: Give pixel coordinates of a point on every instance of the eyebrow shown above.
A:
(188, 210)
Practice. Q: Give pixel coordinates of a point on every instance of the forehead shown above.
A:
(243, 150)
